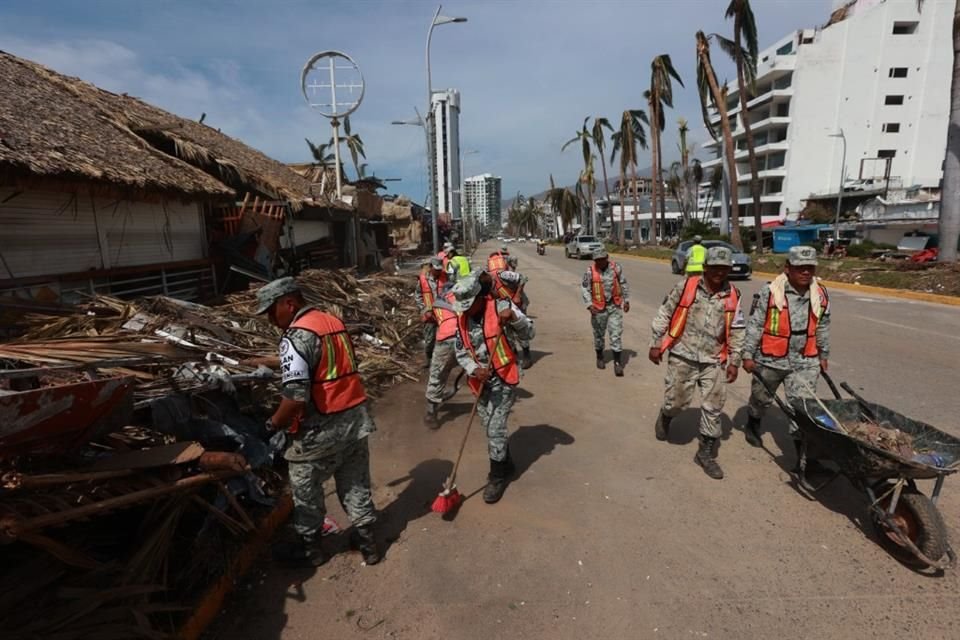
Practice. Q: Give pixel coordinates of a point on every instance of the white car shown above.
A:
(582, 247)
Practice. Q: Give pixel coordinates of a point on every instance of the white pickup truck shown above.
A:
(582, 247)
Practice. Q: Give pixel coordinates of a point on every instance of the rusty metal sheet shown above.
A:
(57, 419)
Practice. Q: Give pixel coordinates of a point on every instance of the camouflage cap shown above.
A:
(272, 291)
(801, 256)
(698, 238)
(599, 254)
(503, 248)
(510, 278)
(464, 293)
(447, 245)
(719, 257)
(436, 263)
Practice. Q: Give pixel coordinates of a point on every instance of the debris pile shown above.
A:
(134, 460)
(889, 439)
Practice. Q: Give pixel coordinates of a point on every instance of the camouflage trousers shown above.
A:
(797, 383)
(683, 376)
(610, 320)
(523, 343)
(429, 337)
(494, 408)
(444, 360)
(350, 469)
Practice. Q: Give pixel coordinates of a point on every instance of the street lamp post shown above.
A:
(469, 232)
(419, 122)
(431, 158)
(843, 179)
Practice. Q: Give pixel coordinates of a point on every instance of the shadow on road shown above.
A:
(537, 356)
(424, 482)
(529, 444)
(685, 427)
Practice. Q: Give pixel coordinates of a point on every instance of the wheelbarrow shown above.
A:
(907, 521)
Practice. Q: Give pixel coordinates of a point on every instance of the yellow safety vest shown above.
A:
(696, 256)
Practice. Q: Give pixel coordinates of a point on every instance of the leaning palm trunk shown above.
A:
(721, 103)
(622, 235)
(748, 133)
(949, 225)
(636, 204)
(655, 178)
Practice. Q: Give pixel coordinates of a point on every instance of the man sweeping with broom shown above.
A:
(490, 359)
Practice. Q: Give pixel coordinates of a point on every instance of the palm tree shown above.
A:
(585, 138)
(743, 50)
(660, 95)
(322, 155)
(711, 95)
(948, 227)
(354, 144)
(625, 141)
(599, 141)
(563, 203)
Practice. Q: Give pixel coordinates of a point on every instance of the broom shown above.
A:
(449, 499)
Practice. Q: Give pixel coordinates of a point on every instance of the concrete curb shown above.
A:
(902, 294)
(208, 607)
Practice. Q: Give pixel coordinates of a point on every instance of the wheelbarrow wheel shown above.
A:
(918, 518)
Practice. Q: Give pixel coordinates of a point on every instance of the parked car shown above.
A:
(741, 261)
(582, 247)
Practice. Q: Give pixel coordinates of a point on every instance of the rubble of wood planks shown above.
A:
(133, 453)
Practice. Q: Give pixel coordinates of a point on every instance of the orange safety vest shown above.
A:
(447, 318)
(679, 318)
(502, 357)
(427, 293)
(443, 256)
(503, 291)
(775, 341)
(335, 384)
(497, 262)
(599, 299)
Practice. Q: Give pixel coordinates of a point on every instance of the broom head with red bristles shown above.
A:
(448, 500)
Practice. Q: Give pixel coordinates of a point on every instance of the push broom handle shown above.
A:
(456, 465)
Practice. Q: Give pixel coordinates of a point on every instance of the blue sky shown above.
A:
(528, 71)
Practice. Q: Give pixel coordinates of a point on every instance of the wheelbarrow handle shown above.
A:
(830, 383)
(787, 409)
(864, 405)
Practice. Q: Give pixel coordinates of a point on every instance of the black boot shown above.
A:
(662, 428)
(364, 540)
(430, 419)
(527, 360)
(497, 480)
(751, 432)
(305, 552)
(810, 465)
(600, 363)
(617, 364)
(707, 457)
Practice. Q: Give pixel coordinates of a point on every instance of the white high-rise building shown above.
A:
(880, 72)
(481, 199)
(446, 151)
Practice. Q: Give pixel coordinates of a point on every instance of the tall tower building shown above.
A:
(446, 151)
(482, 199)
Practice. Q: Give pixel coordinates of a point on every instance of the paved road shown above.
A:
(609, 534)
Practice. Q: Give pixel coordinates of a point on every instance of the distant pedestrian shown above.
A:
(324, 407)
(701, 326)
(788, 339)
(605, 292)
(458, 266)
(696, 255)
(488, 353)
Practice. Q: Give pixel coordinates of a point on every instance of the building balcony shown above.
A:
(779, 172)
(768, 96)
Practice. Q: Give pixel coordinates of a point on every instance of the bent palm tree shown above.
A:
(354, 145)
(585, 138)
(659, 96)
(711, 95)
(322, 155)
(743, 50)
(626, 140)
(563, 203)
(599, 141)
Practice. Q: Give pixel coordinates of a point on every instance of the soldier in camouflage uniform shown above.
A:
(328, 420)
(493, 377)
(701, 325)
(443, 361)
(435, 279)
(788, 338)
(607, 296)
(514, 282)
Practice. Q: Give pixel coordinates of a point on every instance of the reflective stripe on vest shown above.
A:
(426, 292)
(335, 383)
(775, 341)
(448, 318)
(597, 296)
(503, 360)
(695, 259)
(504, 292)
(496, 262)
(679, 318)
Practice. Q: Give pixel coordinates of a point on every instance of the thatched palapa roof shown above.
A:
(59, 129)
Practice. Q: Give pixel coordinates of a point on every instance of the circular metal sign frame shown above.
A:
(310, 65)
